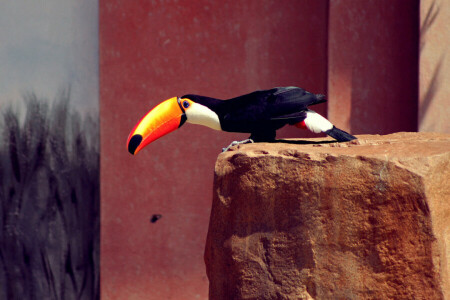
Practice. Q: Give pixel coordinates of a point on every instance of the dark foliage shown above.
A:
(49, 195)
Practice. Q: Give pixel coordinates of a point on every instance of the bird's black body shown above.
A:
(261, 113)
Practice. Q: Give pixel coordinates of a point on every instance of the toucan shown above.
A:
(260, 113)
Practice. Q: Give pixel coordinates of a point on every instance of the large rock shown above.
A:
(368, 219)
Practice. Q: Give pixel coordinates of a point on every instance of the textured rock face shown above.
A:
(369, 219)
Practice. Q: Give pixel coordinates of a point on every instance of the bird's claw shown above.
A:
(234, 143)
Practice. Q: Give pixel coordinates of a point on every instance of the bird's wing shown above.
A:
(294, 116)
(267, 109)
(291, 103)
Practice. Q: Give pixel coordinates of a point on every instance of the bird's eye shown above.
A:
(186, 104)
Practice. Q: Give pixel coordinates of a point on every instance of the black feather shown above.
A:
(340, 135)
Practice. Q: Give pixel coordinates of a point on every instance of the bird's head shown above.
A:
(161, 120)
(166, 117)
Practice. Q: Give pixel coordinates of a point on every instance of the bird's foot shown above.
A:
(234, 143)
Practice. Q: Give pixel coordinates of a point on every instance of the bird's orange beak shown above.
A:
(161, 120)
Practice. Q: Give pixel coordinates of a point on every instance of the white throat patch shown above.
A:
(202, 115)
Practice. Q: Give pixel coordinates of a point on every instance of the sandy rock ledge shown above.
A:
(310, 219)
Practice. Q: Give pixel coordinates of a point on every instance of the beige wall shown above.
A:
(434, 75)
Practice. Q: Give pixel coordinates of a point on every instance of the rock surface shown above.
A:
(368, 219)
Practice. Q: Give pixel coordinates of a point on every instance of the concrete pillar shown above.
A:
(434, 87)
(372, 65)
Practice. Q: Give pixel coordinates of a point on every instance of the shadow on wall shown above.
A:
(435, 81)
(49, 193)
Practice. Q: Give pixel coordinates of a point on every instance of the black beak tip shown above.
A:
(135, 141)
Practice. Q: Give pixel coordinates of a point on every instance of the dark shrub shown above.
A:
(49, 193)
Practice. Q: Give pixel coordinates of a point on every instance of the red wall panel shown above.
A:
(153, 50)
(373, 65)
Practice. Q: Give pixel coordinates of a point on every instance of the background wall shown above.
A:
(48, 45)
(363, 55)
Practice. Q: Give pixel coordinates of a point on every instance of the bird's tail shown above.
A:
(340, 135)
(316, 123)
